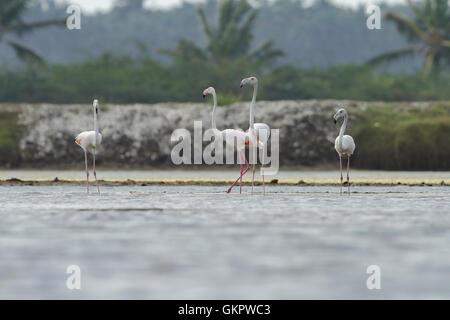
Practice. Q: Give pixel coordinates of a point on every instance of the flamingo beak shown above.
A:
(335, 121)
(204, 96)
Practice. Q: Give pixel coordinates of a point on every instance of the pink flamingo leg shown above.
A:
(246, 170)
(340, 166)
(348, 174)
(87, 171)
(240, 163)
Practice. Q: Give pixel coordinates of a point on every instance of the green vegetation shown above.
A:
(429, 30)
(9, 133)
(352, 82)
(228, 51)
(229, 41)
(126, 80)
(398, 138)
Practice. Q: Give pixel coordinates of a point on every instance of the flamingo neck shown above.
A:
(342, 131)
(95, 127)
(213, 116)
(252, 106)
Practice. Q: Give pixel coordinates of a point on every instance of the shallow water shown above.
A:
(198, 242)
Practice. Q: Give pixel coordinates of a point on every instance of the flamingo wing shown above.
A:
(86, 140)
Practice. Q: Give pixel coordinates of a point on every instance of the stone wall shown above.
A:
(139, 135)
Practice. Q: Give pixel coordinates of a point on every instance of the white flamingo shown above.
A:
(344, 144)
(237, 134)
(89, 141)
(256, 129)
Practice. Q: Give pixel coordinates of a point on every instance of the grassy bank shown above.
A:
(9, 137)
(396, 137)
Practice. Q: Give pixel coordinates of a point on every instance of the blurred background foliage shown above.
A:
(298, 52)
(11, 22)
(428, 31)
(125, 80)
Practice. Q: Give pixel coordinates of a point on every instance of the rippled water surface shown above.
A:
(198, 242)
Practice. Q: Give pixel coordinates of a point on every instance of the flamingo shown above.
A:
(240, 136)
(89, 141)
(255, 128)
(344, 144)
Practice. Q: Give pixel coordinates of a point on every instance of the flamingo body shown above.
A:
(237, 135)
(261, 127)
(86, 140)
(347, 147)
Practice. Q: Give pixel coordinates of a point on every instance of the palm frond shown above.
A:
(266, 54)
(438, 13)
(236, 38)
(245, 36)
(229, 41)
(27, 27)
(391, 56)
(405, 25)
(206, 26)
(10, 11)
(225, 14)
(10, 21)
(428, 65)
(24, 53)
(185, 50)
(240, 11)
(421, 13)
(430, 26)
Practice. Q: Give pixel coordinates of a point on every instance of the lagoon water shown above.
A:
(200, 243)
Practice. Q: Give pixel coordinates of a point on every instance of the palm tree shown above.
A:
(428, 31)
(11, 23)
(229, 40)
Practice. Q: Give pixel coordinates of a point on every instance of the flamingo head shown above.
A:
(210, 90)
(95, 105)
(339, 114)
(252, 80)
